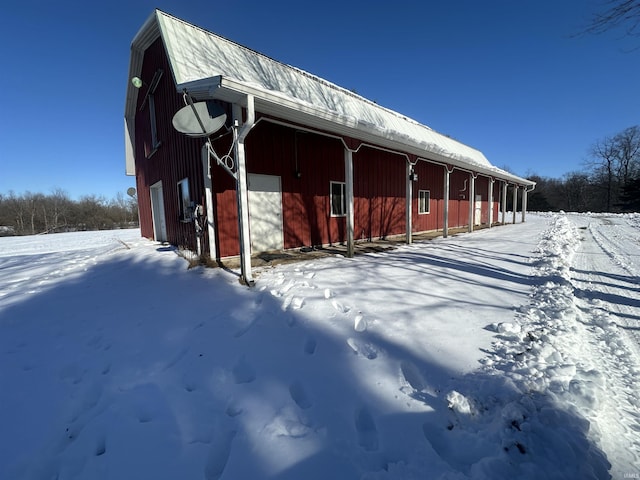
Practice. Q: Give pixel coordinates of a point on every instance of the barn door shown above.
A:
(157, 213)
(265, 212)
(478, 212)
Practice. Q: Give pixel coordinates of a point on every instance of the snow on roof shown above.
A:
(196, 54)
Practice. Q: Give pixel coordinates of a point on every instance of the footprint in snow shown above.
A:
(176, 358)
(299, 395)
(275, 293)
(412, 375)
(101, 446)
(294, 302)
(218, 454)
(310, 346)
(233, 409)
(286, 303)
(245, 326)
(365, 349)
(359, 323)
(243, 372)
(189, 382)
(287, 287)
(366, 430)
(339, 307)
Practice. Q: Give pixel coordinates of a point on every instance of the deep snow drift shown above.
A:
(506, 353)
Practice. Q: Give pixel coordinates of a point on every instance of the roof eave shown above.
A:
(280, 106)
(147, 34)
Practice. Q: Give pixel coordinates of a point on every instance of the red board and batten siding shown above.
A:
(178, 156)
(306, 163)
(379, 188)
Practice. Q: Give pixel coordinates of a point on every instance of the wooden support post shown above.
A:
(242, 190)
(472, 201)
(208, 189)
(490, 200)
(447, 183)
(504, 201)
(348, 177)
(515, 202)
(409, 201)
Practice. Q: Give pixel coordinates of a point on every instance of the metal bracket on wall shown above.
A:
(226, 161)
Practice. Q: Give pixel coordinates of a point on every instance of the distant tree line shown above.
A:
(609, 182)
(34, 213)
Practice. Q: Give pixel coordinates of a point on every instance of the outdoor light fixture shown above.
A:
(137, 82)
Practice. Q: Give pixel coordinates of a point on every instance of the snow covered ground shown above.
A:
(507, 353)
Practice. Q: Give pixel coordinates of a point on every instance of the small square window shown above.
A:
(185, 209)
(424, 197)
(338, 199)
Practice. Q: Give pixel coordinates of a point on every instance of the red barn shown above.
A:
(294, 160)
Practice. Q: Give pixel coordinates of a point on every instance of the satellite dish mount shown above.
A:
(200, 120)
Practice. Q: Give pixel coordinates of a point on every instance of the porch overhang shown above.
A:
(286, 108)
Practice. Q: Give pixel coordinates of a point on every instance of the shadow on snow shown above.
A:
(151, 369)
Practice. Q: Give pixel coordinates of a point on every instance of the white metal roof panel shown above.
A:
(204, 61)
(196, 54)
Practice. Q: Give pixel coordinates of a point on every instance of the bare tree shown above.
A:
(629, 154)
(33, 213)
(576, 192)
(614, 162)
(617, 14)
(60, 204)
(603, 163)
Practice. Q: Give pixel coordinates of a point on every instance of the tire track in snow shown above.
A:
(604, 304)
(619, 242)
(558, 352)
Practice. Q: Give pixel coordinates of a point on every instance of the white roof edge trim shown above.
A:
(270, 102)
(146, 35)
(130, 163)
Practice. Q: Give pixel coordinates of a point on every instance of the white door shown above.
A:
(265, 212)
(157, 213)
(478, 212)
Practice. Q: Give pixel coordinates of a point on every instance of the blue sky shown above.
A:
(506, 77)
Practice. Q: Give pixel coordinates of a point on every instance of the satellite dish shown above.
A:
(200, 119)
(131, 191)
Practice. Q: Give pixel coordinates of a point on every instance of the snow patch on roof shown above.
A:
(197, 54)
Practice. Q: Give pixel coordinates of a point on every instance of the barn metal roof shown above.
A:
(210, 66)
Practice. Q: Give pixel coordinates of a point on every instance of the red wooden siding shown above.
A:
(225, 203)
(482, 190)
(177, 157)
(431, 178)
(379, 188)
(306, 163)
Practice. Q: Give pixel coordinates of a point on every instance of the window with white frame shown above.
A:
(338, 199)
(185, 211)
(424, 197)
